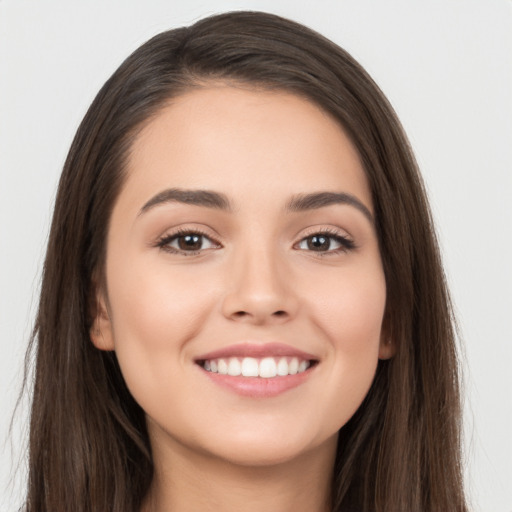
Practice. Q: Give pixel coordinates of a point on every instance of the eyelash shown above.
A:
(163, 243)
(346, 244)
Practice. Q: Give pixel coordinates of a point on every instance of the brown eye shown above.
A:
(192, 242)
(326, 242)
(187, 243)
(318, 243)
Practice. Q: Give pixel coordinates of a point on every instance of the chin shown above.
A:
(264, 451)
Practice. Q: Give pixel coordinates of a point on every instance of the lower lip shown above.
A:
(257, 387)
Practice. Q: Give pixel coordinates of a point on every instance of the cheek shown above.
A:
(157, 304)
(350, 309)
(348, 312)
(155, 313)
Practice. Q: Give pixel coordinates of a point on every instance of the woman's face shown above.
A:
(243, 241)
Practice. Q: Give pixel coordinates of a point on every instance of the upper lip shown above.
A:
(257, 350)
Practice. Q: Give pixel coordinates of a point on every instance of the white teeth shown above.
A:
(266, 368)
(283, 367)
(234, 367)
(294, 366)
(223, 367)
(250, 367)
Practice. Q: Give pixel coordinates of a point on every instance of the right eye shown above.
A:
(187, 243)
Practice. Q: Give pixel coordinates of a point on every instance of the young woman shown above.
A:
(243, 305)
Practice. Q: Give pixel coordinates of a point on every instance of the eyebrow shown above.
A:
(219, 201)
(204, 198)
(305, 202)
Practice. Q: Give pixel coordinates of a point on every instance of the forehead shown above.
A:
(244, 141)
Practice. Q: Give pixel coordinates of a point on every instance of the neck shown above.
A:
(187, 482)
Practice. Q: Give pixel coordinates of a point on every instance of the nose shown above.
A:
(260, 290)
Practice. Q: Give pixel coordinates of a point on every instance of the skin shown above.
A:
(254, 278)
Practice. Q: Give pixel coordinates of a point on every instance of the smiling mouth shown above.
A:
(252, 367)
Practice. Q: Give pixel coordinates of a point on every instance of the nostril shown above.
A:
(280, 313)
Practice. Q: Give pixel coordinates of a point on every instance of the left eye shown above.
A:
(324, 242)
(187, 242)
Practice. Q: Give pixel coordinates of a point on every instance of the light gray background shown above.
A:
(446, 66)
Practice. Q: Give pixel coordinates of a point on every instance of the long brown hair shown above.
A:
(89, 447)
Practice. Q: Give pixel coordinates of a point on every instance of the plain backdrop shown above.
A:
(446, 66)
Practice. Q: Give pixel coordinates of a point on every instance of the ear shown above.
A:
(100, 331)
(387, 346)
